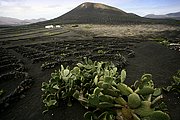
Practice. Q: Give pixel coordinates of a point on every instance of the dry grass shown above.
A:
(125, 30)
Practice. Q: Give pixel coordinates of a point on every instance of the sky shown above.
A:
(49, 9)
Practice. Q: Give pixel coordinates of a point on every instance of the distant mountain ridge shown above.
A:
(14, 21)
(96, 13)
(175, 15)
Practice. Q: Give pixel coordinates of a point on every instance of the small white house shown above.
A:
(49, 26)
(58, 26)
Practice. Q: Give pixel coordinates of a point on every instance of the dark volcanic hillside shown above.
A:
(97, 13)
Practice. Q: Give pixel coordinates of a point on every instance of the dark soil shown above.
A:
(150, 57)
(162, 63)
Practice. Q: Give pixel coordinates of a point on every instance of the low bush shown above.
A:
(175, 83)
(101, 89)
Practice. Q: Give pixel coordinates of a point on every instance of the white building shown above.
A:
(49, 26)
(58, 26)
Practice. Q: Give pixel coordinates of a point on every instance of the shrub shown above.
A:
(165, 42)
(175, 83)
(100, 88)
(101, 52)
(1, 92)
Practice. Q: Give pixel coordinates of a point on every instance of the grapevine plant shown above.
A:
(175, 83)
(101, 89)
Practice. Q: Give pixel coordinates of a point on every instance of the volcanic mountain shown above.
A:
(96, 13)
(175, 16)
(15, 21)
